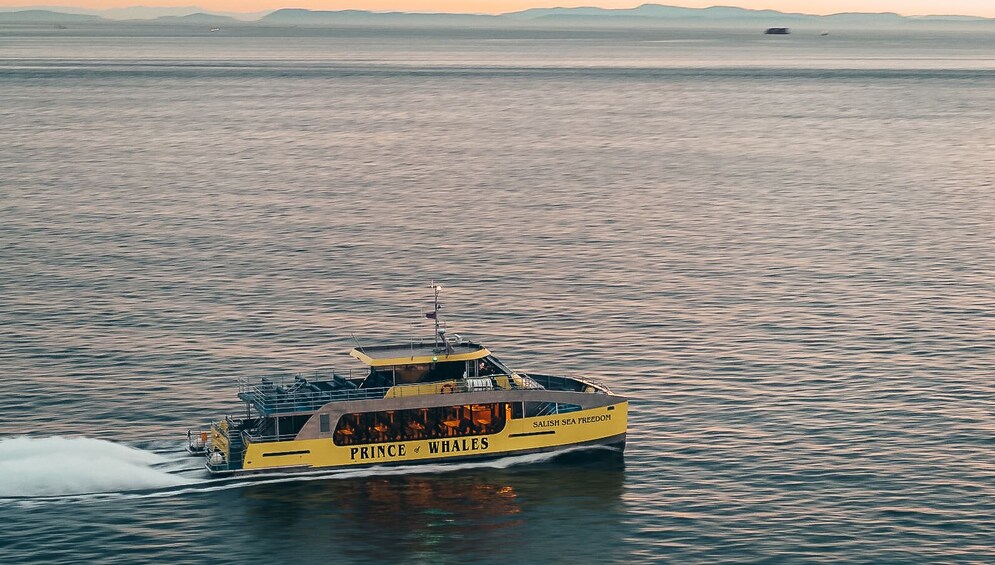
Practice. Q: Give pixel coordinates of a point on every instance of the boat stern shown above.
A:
(225, 448)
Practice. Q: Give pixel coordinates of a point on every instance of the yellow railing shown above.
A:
(500, 382)
(219, 437)
(444, 387)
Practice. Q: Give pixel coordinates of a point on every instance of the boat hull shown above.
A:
(590, 428)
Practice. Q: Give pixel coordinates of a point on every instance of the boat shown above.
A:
(778, 31)
(447, 399)
(197, 444)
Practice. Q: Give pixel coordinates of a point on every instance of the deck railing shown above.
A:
(248, 437)
(290, 395)
(222, 433)
(285, 396)
(554, 382)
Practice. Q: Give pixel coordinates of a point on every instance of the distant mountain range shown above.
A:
(645, 15)
(653, 11)
(297, 16)
(132, 13)
(198, 18)
(46, 16)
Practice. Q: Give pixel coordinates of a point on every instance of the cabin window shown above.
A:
(383, 377)
(407, 374)
(421, 423)
(379, 378)
(516, 410)
(445, 372)
(536, 409)
(563, 408)
(324, 423)
(487, 367)
(284, 427)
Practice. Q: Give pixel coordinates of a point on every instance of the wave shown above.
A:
(56, 466)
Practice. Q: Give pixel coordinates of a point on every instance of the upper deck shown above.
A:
(419, 353)
(302, 395)
(445, 366)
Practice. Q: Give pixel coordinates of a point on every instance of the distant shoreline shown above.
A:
(645, 16)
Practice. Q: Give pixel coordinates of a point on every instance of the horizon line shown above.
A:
(197, 9)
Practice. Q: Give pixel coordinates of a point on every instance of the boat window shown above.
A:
(491, 366)
(563, 408)
(324, 423)
(283, 427)
(536, 409)
(379, 378)
(421, 423)
(418, 373)
(486, 367)
(411, 373)
(445, 372)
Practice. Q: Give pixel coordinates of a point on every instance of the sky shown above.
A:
(906, 7)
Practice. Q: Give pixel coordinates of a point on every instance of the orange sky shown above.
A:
(908, 7)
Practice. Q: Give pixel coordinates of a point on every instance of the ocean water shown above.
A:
(781, 249)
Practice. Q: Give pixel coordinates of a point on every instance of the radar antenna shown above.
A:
(441, 340)
(440, 330)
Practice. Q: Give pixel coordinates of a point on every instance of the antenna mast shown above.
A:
(435, 311)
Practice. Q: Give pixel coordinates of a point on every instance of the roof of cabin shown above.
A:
(417, 353)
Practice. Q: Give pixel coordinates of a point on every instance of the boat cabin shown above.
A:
(393, 365)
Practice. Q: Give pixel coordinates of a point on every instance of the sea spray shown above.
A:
(30, 470)
(54, 466)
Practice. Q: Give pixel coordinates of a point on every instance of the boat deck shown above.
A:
(305, 395)
(302, 395)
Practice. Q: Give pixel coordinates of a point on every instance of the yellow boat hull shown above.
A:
(605, 425)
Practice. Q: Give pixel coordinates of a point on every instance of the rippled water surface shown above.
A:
(780, 248)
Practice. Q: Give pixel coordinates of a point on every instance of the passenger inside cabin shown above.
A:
(487, 368)
(420, 423)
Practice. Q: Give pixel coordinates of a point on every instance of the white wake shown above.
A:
(54, 466)
(35, 470)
